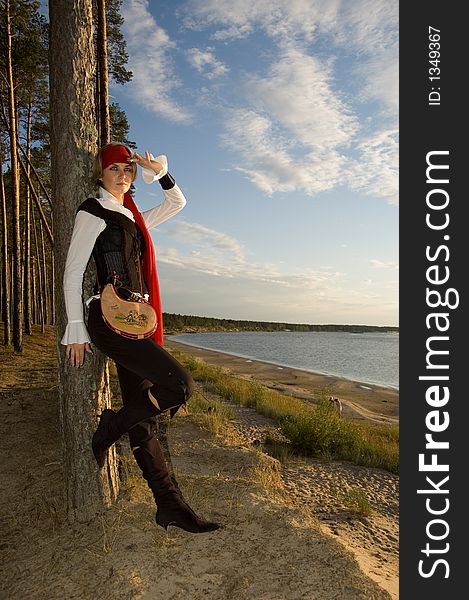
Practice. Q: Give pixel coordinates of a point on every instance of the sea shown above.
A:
(369, 358)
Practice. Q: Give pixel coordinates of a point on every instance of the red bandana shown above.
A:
(149, 268)
(115, 154)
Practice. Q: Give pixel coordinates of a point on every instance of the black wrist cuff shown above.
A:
(167, 182)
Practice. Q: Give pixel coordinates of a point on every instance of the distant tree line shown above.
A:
(175, 323)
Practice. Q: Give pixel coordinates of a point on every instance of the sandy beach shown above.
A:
(359, 400)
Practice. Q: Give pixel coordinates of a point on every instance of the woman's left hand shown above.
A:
(147, 162)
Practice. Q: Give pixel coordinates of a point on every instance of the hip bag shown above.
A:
(134, 318)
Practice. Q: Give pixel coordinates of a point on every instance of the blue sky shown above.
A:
(280, 123)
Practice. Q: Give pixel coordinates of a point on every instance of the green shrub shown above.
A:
(314, 429)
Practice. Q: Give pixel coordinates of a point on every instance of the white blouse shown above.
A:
(85, 232)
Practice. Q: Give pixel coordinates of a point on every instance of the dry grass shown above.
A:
(316, 430)
(267, 473)
(357, 502)
(211, 413)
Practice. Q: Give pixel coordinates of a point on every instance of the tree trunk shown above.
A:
(52, 286)
(41, 185)
(27, 236)
(33, 289)
(5, 266)
(39, 287)
(17, 294)
(104, 119)
(12, 290)
(45, 295)
(37, 201)
(84, 392)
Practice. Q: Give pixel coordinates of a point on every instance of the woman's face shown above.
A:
(117, 178)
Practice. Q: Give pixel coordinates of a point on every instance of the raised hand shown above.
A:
(147, 162)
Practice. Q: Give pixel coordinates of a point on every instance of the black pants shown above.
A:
(141, 365)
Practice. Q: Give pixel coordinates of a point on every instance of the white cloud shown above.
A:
(207, 238)
(149, 47)
(377, 171)
(369, 26)
(218, 265)
(380, 74)
(297, 93)
(274, 166)
(267, 162)
(222, 281)
(206, 63)
(279, 19)
(323, 300)
(378, 264)
(290, 137)
(215, 253)
(365, 25)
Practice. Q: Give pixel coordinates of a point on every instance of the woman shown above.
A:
(112, 229)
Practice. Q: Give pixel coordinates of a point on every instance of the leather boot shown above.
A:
(172, 509)
(112, 425)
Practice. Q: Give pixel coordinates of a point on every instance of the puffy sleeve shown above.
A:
(85, 232)
(173, 202)
(150, 176)
(174, 199)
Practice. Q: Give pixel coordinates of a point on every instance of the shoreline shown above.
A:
(286, 366)
(360, 400)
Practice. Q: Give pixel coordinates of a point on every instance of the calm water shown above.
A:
(365, 357)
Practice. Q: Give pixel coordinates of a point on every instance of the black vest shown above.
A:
(118, 249)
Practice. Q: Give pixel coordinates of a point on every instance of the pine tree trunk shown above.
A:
(39, 288)
(5, 266)
(84, 392)
(12, 289)
(104, 119)
(41, 185)
(17, 291)
(27, 236)
(44, 296)
(52, 286)
(33, 289)
(37, 201)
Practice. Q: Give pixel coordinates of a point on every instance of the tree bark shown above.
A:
(41, 185)
(39, 287)
(34, 287)
(105, 121)
(12, 291)
(83, 392)
(52, 286)
(27, 236)
(17, 291)
(45, 294)
(5, 266)
(37, 202)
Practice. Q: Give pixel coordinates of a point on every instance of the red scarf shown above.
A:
(149, 268)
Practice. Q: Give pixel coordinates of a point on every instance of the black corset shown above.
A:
(118, 250)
